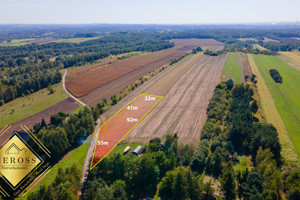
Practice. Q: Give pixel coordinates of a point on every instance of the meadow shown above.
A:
(233, 68)
(76, 40)
(286, 95)
(23, 107)
(17, 42)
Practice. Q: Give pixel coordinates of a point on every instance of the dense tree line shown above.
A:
(282, 46)
(230, 131)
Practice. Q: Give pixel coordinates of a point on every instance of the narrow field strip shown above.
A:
(233, 68)
(272, 115)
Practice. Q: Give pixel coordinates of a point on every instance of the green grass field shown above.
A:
(23, 107)
(257, 46)
(76, 40)
(76, 156)
(233, 68)
(286, 95)
(17, 42)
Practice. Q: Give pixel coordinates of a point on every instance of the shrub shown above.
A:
(275, 75)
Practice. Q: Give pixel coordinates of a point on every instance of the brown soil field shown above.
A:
(85, 83)
(183, 108)
(116, 128)
(116, 85)
(213, 48)
(80, 70)
(103, 62)
(67, 106)
(196, 42)
(246, 68)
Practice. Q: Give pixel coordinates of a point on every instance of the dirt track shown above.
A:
(183, 109)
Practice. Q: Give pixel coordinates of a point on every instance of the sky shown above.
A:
(148, 11)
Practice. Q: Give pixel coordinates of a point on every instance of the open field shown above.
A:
(250, 39)
(280, 102)
(77, 156)
(213, 48)
(291, 58)
(118, 84)
(76, 40)
(203, 43)
(17, 42)
(76, 71)
(117, 127)
(269, 40)
(67, 106)
(183, 108)
(167, 78)
(85, 83)
(257, 46)
(233, 68)
(20, 42)
(23, 107)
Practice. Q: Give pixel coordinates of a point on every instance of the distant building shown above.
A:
(138, 150)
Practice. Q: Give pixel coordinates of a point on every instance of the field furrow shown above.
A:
(183, 109)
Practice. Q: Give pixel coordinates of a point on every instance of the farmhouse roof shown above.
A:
(138, 150)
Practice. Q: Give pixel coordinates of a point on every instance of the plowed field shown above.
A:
(183, 108)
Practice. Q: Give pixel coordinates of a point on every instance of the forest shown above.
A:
(171, 170)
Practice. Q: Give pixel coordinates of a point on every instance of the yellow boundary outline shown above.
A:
(4, 130)
(161, 97)
(5, 193)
